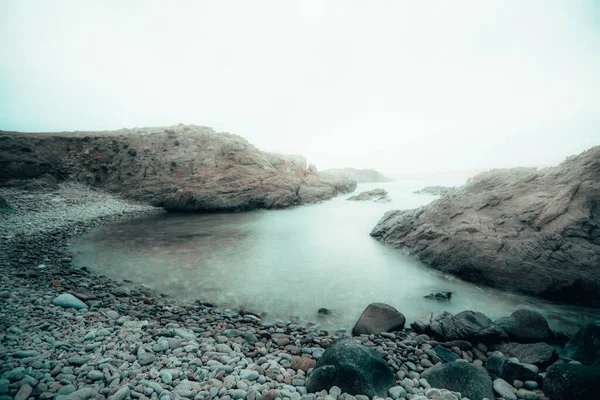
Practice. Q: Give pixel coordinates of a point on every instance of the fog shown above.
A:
(401, 86)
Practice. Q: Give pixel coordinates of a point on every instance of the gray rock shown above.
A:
(525, 326)
(377, 195)
(121, 394)
(397, 392)
(67, 300)
(572, 381)
(445, 354)
(146, 359)
(468, 379)
(238, 394)
(540, 354)
(354, 368)
(467, 325)
(585, 344)
(504, 389)
(249, 374)
(377, 318)
(210, 171)
(520, 229)
(95, 375)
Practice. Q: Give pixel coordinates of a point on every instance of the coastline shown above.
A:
(131, 342)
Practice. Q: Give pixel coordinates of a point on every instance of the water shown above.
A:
(289, 263)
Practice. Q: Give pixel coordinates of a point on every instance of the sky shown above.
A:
(401, 86)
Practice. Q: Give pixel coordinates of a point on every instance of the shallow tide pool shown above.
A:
(289, 263)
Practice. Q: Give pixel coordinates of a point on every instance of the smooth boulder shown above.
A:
(499, 366)
(67, 300)
(470, 380)
(540, 354)
(585, 344)
(378, 318)
(352, 367)
(525, 326)
(572, 381)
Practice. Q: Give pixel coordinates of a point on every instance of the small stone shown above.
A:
(531, 385)
(24, 392)
(121, 394)
(249, 374)
(95, 375)
(396, 392)
(78, 361)
(238, 394)
(25, 354)
(335, 391)
(146, 359)
(504, 389)
(67, 300)
(526, 394)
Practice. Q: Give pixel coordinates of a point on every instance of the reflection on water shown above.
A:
(293, 262)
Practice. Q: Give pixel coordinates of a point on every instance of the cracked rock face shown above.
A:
(183, 168)
(536, 232)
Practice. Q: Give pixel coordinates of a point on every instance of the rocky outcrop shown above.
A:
(358, 175)
(435, 190)
(184, 168)
(572, 381)
(376, 195)
(585, 344)
(536, 232)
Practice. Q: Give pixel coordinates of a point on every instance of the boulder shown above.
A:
(525, 326)
(378, 318)
(585, 344)
(352, 367)
(520, 229)
(467, 325)
(572, 381)
(470, 380)
(501, 367)
(540, 354)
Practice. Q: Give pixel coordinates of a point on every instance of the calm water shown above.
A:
(290, 263)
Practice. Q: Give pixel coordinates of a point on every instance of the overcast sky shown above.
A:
(401, 86)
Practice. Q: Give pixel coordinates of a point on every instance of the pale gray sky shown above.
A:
(402, 86)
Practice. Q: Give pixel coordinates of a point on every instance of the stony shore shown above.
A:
(66, 333)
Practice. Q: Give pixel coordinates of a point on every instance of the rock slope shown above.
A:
(358, 175)
(184, 168)
(536, 232)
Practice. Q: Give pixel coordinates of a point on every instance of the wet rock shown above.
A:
(354, 368)
(377, 195)
(467, 325)
(468, 379)
(540, 354)
(302, 363)
(572, 381)
(585, 344)
(439, 296)
(377, 318)
(525, 326)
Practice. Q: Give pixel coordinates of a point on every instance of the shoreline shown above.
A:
(131, 342)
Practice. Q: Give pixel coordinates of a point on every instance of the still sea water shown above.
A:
(289, 263)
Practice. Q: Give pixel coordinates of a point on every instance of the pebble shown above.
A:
(67, 300)
(504, 389)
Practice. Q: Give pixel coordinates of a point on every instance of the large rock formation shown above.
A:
(520, 229)
(358, 175)
(185, 167)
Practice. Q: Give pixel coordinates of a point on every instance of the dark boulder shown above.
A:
(470, 380)
(467, 325)
(525, 326)
(378, 318)
(540, 354)
(501, 367)
(572, 381)
(352, 367)
(445, 354)
(585, 344)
